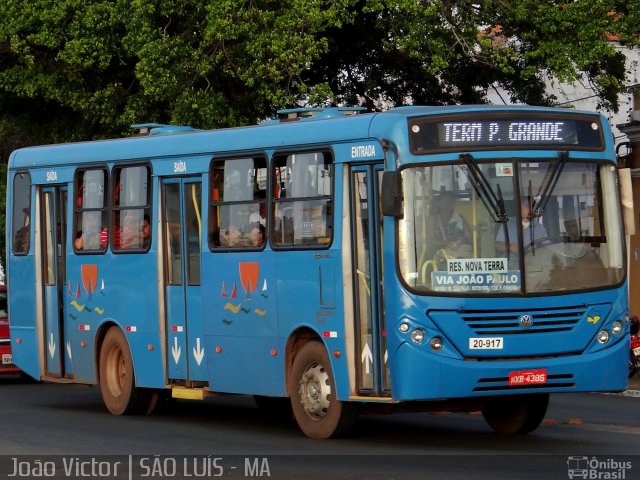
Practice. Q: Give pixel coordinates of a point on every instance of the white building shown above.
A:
(582, 96)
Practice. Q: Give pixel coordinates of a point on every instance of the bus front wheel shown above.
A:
(317, 410)
(516, 414)
(117, 382)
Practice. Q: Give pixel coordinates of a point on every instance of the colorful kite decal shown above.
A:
(89, 281)
(249, 279)
(232, 307)
(249, 275)
(89, 274)
(77, 306)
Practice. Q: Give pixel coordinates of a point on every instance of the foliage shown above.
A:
(73, 70)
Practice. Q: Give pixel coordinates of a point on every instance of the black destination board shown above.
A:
(473, 132)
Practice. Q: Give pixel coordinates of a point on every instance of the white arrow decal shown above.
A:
(367, 358)
(176, 350)
(69, 349)
(198, 353)
(52, 346)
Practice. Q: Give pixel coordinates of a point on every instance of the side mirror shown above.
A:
(391, 194)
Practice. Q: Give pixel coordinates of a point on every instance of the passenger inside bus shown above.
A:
(21, 241)
(135, 233)
(256, 235)
(90, 236)
(447, 229)
(259, 215)
(146, 232)
(532, 230)
(231, 237)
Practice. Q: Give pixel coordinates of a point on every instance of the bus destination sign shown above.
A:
(473, 133)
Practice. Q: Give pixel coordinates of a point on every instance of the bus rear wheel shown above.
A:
(517, 414)
(117, 382)
(317, 410)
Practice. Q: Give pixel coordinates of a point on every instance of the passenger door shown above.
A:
(371, 348)
(53, 221)
(181, 234)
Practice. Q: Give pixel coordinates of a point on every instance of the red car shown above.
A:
(7, 365)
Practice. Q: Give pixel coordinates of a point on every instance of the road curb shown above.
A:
(631, 393)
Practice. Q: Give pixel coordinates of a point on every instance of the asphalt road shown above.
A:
(231, 437)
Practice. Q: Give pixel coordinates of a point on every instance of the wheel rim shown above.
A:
(116, 372)
(315, 391)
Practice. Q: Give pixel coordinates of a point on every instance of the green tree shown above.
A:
(77, 70)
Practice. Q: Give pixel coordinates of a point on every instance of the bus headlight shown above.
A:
(417, 336)
(404, 327)
(603, 336)
(617, 327)
(436, 344)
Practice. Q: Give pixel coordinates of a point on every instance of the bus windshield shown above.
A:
(529, 226)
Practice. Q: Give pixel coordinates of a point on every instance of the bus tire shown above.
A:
(517, 414)
(317, 411)
(117, 382)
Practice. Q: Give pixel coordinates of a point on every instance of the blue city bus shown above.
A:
(328, 261)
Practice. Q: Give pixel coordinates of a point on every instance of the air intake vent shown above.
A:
(506, 322)
(145, 129)
(298, 114)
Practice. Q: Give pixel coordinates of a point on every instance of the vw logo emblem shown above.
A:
(526, 321)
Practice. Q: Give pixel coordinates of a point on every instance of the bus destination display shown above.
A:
(513, 133)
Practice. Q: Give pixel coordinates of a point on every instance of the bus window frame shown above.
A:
(78, 209)
(116, 210)
(214, 202)
(521, 293)
(27, 216)
(327, 152)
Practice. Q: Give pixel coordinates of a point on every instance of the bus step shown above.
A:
(187, 393)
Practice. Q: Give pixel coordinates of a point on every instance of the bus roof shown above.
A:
(294, 127)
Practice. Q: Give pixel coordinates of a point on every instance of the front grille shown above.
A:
(506, 322)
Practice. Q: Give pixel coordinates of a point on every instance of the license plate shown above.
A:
(528, 377)
(7, 359)
(486, 343)
(636, 351)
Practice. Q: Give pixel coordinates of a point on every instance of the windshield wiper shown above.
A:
(543, 198)
(494, 203)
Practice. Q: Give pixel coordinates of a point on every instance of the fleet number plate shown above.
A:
(7, 359)
(528, 377)
(491, 343)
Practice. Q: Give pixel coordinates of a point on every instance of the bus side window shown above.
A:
(302, 199)
(90, 210)
(237, 201)
(21, 212)
(131, 218)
